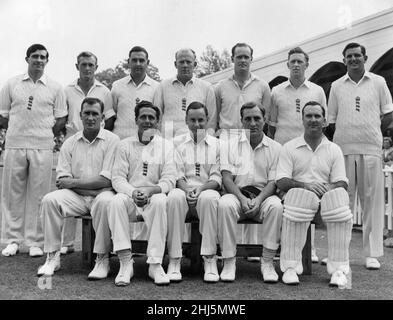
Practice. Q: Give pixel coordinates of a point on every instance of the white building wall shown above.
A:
(374, 32)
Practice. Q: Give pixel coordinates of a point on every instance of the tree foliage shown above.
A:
(212, 61)
(110, 75)
(153, 72)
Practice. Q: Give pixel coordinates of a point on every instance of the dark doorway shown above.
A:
(384, 67)
(276, 81)
(327, 74)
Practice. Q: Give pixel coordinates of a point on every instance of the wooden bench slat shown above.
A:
(249, 221)
(85, 217)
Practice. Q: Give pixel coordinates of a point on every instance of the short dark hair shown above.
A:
(138, 49)
(86, 54)
(91, 101)
(184, 49)
(314, 103)
(241, 44)
(195, 105)
(250, 105)
(34, 48)
(354, 45)
(298, 50)
(146, 104)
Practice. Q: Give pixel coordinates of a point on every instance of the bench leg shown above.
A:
(88, 238)
(195, 256)
(306, 254)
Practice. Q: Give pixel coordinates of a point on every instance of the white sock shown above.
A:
(124, 255)
(268, 255)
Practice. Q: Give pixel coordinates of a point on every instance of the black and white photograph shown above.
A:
(196, 156)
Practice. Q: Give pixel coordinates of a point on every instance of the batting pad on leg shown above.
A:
(338, 217)
(300, 206)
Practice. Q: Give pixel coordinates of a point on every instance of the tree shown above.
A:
(153, 72)
(212, 61)
(108, 76)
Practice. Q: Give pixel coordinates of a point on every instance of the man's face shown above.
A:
(37, 61)
(354, 59)
(386, 143)
(313, 119)
(253, 121)
(91, 116)
(86, 66)
(242, 59)
(297, 65)
(138, 63)
(147, 119)
(185, 64)
(196, 119)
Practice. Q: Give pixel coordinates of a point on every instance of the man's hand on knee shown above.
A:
(65, 183)
(139, 197)
(193, 195)
(318, 188)
(191, 198)
(255, 209)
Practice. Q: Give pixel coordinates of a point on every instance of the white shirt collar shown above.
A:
(301, 142)
(100, 135)
(43, 79)
(135, 138)
(208, 139)
(175, 79)
(95, 84)
(365, 75)
(147, 80)
(305, 83)
(252, 78)
(264, 142)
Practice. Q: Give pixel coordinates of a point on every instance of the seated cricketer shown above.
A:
(84, 184)
(248, 168)
(311, 170)
(144, 171)
(199, 179)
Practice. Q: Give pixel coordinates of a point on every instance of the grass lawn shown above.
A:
(18, 281)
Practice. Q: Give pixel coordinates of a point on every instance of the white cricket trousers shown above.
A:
(270, 212)
(365, 174)
(27, 177)
(123, 210)
(68, 233)
(250, 233)
(63, 203)
(177, 208)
